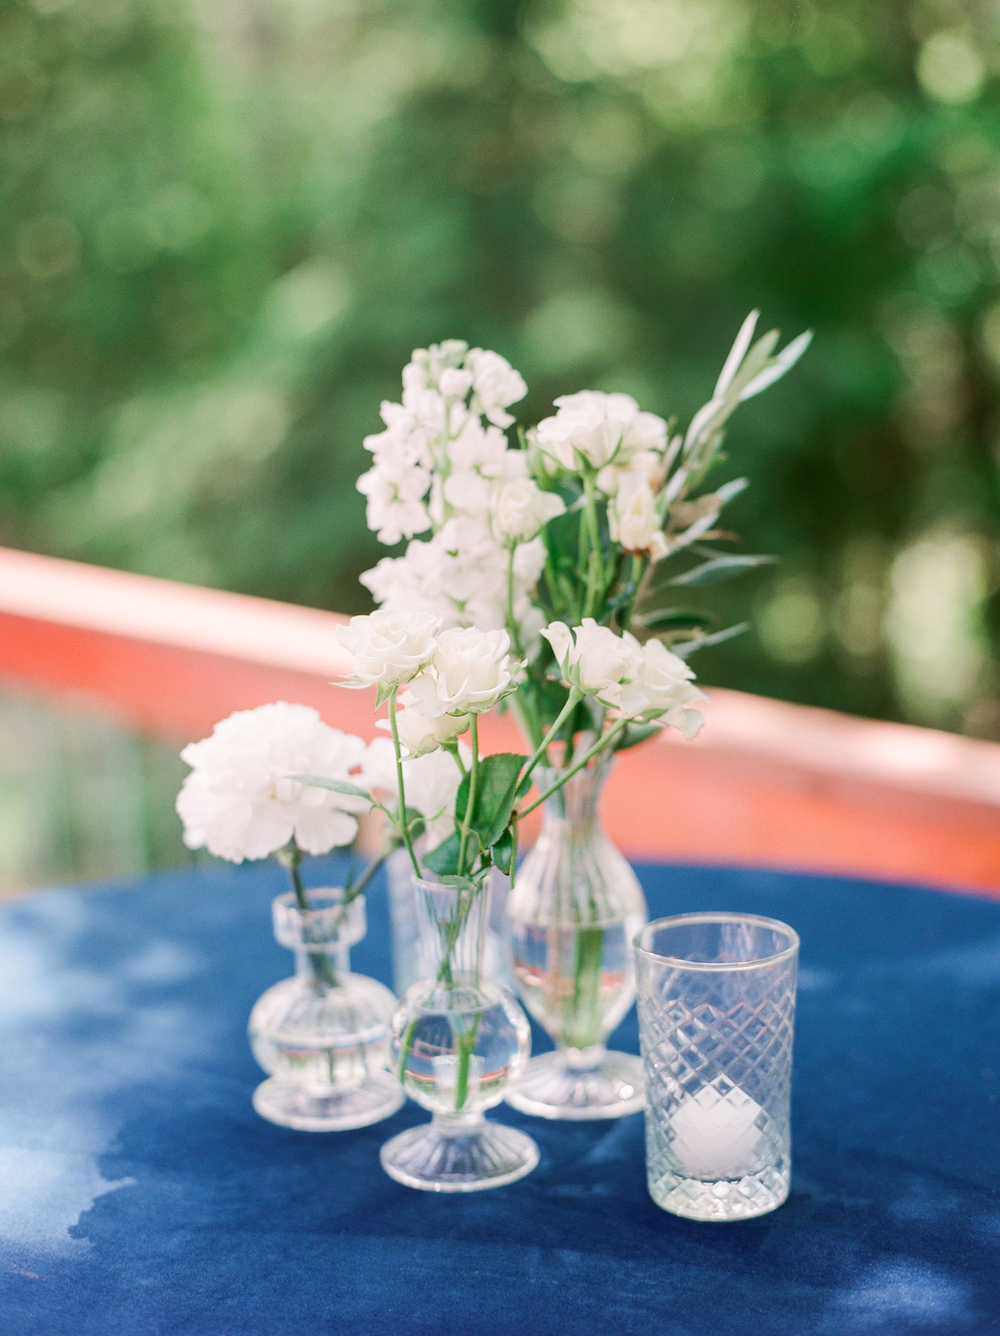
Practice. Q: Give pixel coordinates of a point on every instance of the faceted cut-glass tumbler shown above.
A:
(716, 999)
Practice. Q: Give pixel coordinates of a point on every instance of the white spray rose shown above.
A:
(594, 659)
(419, 733)
(469, 673)
(520, 509)
(593, 429)
(662, 689)
(632, 517)
(389, 647)
(239, 802)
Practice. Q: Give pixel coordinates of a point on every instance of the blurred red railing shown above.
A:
(765, 784)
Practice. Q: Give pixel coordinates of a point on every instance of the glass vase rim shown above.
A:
(717, 966)
(289, 900)
(476, 882)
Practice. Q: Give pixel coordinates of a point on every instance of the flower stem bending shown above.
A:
(602, 743)
(404, 821)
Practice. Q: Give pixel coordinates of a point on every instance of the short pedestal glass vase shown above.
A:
(575, 907)
(716, 1014)
(458, 1041)
(323, 1035)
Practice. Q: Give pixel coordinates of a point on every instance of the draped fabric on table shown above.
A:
(141, 1195)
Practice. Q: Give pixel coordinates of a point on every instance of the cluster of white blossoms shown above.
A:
(637, 681)
(443, 465)
(239, 800)
(449, 674)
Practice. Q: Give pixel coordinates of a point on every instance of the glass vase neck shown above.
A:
(577, 800)
(321, 936)
(452, 920)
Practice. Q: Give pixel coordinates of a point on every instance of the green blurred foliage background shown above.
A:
(226, 223)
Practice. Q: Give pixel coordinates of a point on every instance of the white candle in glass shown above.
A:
(715, 1136)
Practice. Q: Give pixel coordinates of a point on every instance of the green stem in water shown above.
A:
(404, 821)
(470, 806)
(575, 697)
(602, 743)
(319, 962)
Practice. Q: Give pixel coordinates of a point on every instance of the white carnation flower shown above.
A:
(239, 802)
(520, 509)
(389, 647)
(632, 516)
(593, 429)
(469, 673)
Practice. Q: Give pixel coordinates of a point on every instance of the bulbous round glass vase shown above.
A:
(458, 1041)
(572, 914)
(323, 1035)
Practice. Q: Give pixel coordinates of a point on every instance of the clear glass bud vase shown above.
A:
(323, 1035)
(458, 1041)
(574, 910)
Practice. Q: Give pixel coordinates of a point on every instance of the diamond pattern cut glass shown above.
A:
(716, 997)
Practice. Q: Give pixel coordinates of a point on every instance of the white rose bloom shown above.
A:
(420, 734)
(395, 500)
(239, 802)
(594, 659)
(389, 648)
(470, 671)
(520, 509)
(663, 688)
(632, 517)
(495, 385)
(594, 429)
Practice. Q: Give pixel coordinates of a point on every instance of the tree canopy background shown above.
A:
(226, 225)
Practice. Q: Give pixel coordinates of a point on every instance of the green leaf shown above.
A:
(636, 733)
(503, 850)
(496, 788)
(688, 648)
(383, 693)
(719, 568)
(673, 617)
(562, 535)
(335, 785)
(444, 859)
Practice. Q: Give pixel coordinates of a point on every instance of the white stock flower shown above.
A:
(239, 802)
(395, 495)
(469, 673)
(495, 385)
(594, 659)
(632, 516)
(593, 429)
(419, 733)
(389, 647)
(520, 509)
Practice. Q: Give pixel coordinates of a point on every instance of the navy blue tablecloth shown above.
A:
(140, 1194)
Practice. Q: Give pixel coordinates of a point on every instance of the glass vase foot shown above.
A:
(377, 1097)
(552, 1087)
(438, 1158)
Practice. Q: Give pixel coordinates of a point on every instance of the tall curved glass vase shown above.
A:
(323, 1035)
(458, 1041)
(574, 910)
